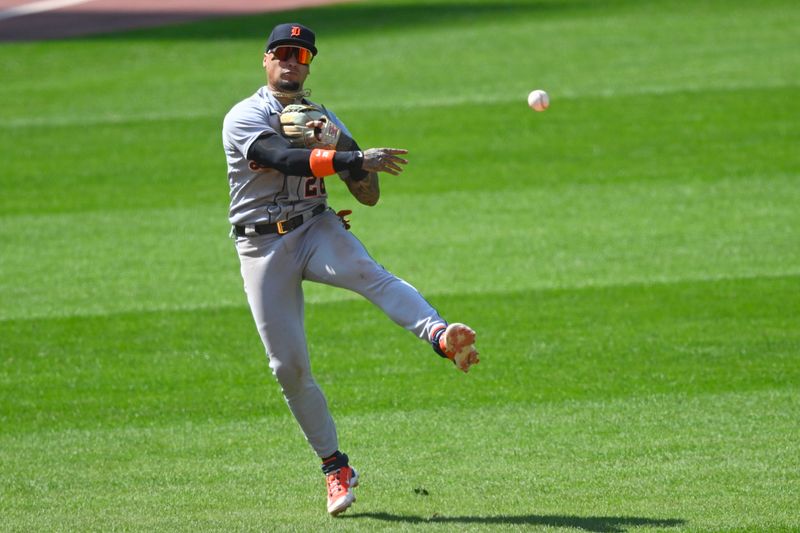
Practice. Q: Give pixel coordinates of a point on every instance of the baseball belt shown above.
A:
(280, 228)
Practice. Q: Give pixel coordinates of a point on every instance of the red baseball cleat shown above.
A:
(458, 344)
(340, 489)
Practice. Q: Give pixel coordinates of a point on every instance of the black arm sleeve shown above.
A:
(273, 151)
(349, 144)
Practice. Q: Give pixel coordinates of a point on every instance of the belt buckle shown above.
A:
(281, 229)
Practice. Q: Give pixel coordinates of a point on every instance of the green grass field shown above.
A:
(630, 259)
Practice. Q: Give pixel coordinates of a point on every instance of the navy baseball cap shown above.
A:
(292, 34)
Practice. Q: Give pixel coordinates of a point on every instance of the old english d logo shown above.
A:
(295, 31)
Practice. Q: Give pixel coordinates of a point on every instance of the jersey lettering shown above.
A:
(315, 187)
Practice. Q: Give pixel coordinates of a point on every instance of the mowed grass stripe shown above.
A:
(589, 140)
(644, 461)
(446, 101)
(568, 235)
(562, 46)
(161, 367)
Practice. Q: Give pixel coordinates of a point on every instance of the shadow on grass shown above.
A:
(597, 524)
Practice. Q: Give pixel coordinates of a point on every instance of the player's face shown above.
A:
(285, 75)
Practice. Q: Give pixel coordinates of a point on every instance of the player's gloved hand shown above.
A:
(324, 132)
(384, 160)
(342, 214)
(307, 126)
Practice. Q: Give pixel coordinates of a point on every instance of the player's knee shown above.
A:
(369, 272)
(291, 375)
(375, 279)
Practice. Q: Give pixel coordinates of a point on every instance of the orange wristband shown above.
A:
(322, 162)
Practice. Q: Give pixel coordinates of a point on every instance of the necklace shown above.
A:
(296, 95)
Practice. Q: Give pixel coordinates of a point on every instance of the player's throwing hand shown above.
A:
(384, 160)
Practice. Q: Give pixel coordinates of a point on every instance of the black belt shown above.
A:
(280, 228)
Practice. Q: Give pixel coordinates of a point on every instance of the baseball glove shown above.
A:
(294, 118)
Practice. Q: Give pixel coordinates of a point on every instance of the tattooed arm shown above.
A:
(367, 190)
(363, 183)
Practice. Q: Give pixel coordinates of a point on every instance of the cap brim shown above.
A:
(293, 42)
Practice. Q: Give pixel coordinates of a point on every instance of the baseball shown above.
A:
(538, 100)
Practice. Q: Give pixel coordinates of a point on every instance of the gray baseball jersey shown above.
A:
(274, 266)
(260, 195)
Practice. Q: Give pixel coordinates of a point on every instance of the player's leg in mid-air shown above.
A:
(336, 257)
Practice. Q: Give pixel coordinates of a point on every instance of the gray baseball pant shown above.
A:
(321, 250)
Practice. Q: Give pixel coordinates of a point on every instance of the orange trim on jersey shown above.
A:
(322, 162)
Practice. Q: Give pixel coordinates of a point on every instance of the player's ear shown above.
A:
(265, 60)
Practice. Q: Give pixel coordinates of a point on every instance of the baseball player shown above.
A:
(280, 147)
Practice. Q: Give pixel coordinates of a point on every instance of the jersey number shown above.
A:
(315, 187)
